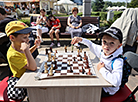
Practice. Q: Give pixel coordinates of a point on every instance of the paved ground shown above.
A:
(133, 79)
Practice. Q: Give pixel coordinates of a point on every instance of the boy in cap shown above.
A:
(111, 47)
(19, 55)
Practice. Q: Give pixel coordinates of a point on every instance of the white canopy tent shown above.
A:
(116, 8)
(67, 4)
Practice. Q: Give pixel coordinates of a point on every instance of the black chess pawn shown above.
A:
(55, 62)
(74, 58)
(46, 51)
(51, 49)
(83, 70)
(71, 69)
(80, 58)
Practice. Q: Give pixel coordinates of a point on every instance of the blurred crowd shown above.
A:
(18, 11)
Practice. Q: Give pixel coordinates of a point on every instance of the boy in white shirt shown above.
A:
(111, 47)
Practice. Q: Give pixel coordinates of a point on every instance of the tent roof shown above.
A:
(20, 0)
(62, 2)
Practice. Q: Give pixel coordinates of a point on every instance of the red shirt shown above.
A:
(55, 23)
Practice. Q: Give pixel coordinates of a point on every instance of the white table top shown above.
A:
(28, 80)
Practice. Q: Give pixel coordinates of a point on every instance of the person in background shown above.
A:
(42, 24)
(4, 19)
(74, 22)
(55, 28)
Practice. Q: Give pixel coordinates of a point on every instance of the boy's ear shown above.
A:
(12, 37)
(120, 45)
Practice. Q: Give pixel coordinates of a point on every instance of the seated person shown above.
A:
(55, 26)
(19, 55)
(75, 22)
(42, 24)
(4, 19)
(111, 48)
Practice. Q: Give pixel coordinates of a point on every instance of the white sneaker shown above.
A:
(77, 45)
(58, 44)
(52, 44)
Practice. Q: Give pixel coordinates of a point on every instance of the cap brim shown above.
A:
(25, 31)
(108, 33)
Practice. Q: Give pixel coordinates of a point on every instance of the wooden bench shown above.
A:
(63, 21)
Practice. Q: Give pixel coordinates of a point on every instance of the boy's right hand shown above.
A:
(76, 40)
(24, 46)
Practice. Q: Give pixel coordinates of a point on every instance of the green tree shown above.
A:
(133, 3)
(118, 4)
(98, 5)
(107, 4)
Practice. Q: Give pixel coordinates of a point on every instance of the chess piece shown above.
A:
(52, 67)
(69, 62)
(80, 58)
(74, 58)
(83, 70)
(53, 58)
(51, 49)
(49, 57)
(78, 53)
(56, 51)
(71, 69)
(51, 72)
(46, 71)
(81, 50)
(55, 62)
(87, 65)
(84, 53)
(65, 48)
(46, 51)
(89, 73)
(72, 48)
(55, 54)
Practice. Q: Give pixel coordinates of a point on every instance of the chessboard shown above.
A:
(66, 64)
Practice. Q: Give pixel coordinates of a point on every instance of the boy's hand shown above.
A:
(24, 46)
(37, 42)
(100, 65)
(76, 40)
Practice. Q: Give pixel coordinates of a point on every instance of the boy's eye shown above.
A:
(104, 42)
(112, 43)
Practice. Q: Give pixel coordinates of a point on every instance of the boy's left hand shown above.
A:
(100, 65)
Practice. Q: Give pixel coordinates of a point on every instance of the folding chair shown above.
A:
(125, 94)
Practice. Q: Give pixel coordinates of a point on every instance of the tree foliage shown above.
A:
(97, 5)
(133, 4)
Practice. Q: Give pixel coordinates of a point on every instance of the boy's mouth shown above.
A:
(106, 49)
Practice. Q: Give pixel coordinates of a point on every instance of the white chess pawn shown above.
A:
(46, 71)
(51, 72)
